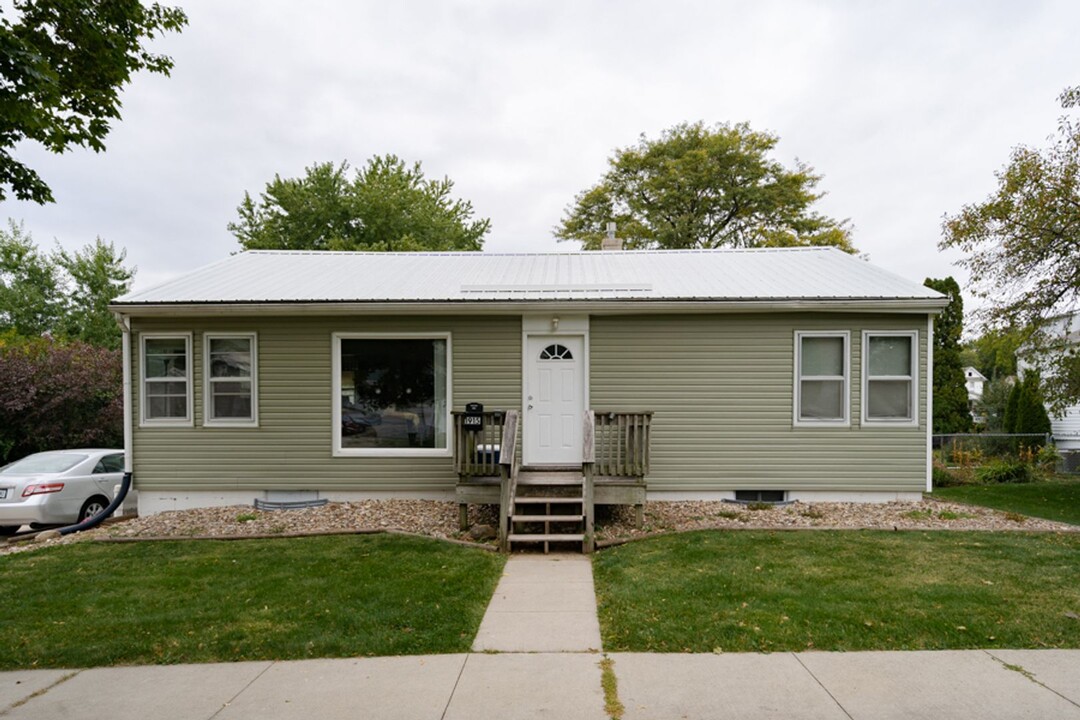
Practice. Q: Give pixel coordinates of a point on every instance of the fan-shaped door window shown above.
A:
(556, 352)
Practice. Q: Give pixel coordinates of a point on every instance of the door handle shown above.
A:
(529, 408)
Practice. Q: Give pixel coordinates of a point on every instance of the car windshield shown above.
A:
(43, 463)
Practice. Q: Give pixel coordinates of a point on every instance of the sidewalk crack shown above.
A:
(1030, 676)
(453, 690)
(240, 692)
(822, 685)
(38, 693)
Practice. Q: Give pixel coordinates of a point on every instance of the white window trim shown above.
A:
(208, 417)
(796, 421)
(335, 398)
(144, 421)
(913, 421)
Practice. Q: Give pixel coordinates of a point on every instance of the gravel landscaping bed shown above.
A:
(924, 515)
(438, 519)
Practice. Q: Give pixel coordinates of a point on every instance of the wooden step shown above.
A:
(533, 477)
(537, 500)
(546, 518)
(514, 537)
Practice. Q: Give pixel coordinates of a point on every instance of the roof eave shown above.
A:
(510, 307)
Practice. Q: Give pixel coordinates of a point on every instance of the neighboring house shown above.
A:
(974, 381)
(1066, 427)
(794, 373)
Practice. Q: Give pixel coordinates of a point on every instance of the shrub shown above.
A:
(1006, 471)
(1048, 458)
(55, 395)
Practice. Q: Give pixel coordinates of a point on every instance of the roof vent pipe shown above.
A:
(611, 242)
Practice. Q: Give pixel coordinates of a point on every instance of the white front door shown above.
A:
(554, 399)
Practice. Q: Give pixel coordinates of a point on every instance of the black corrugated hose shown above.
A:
(93, 522)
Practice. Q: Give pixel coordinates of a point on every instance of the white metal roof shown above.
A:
(797, 274)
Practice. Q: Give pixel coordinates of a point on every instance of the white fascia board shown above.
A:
(605, 307)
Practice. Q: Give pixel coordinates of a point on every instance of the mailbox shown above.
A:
(473, 419)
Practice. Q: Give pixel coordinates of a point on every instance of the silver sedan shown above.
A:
(58, 487)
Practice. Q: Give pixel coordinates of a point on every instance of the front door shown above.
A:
(554, 399)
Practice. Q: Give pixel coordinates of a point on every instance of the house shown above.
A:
(797, 374)
(974, 381)
(1065, 426)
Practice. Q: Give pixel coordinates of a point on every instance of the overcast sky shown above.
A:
(906, 108)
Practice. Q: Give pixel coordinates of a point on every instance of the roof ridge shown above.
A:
(547, 253)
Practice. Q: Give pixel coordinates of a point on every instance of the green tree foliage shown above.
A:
(30, 299)
(63, 64)
(1031, 416)
(1012, 408)
(386, 206)
(994, 352)
(952, 413)
(1022, 248)
(63, 294)
(55, 394)
(703, 187)
(993, 403)
(96, 276)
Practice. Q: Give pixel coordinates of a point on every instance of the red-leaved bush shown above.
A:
(57, 395)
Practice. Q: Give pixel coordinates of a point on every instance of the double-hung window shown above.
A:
(231, 384)
(822, 378)
(890, 372)
(166, 379)
(391, 394)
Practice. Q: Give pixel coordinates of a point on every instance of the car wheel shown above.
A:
(8, 530)
(93, 507)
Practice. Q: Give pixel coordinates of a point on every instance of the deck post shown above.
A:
(504, 508)
(588, 465)
(463, 516)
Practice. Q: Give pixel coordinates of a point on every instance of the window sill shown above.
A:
(166, 423)
(231, 424)
(393, 452)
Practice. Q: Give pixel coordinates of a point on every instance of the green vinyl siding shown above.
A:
(721, 388)
(291, 447)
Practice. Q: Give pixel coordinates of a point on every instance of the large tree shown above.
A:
(63, 64)
(63, 294)
(703, 187)
(387, 205)
(952, 413)
(1023, 246)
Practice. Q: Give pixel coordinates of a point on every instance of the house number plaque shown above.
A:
(473, 420)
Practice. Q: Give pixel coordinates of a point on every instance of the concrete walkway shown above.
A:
(543, 603)
(1040, 684)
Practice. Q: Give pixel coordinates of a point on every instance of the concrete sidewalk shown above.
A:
(543, 603)
(817, 685)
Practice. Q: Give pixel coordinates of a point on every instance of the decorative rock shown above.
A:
(48, 535)
(482, 532)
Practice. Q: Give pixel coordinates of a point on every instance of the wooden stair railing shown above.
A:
(508, 472)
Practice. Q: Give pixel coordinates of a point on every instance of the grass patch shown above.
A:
(95, 604)
(1058, 500)
(839, 590)
(612, 705)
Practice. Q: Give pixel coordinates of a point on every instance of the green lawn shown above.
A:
(93, 604)
(1059, 500)
(839, 590)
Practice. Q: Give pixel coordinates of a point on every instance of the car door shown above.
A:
(108, 473)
